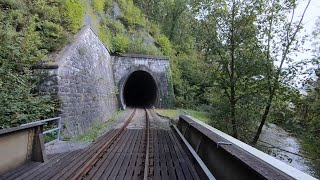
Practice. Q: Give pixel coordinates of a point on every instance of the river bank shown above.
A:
(282, 145)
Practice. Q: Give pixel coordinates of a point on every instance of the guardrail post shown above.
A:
(38, 154)
(59, 126)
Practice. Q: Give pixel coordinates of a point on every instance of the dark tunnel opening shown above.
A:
(140, 90)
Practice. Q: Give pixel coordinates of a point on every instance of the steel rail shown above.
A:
(92, 161)
(146, 162)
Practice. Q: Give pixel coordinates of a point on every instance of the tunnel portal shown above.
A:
(140, 90)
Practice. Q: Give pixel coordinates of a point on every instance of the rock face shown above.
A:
(116, 10)
(88, 81)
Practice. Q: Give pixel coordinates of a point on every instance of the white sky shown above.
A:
(312, 13)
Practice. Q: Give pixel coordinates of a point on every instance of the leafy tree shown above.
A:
(286, 30)
(235, 47)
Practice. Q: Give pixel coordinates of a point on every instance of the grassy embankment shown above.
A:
(97, 128)
(202, 116)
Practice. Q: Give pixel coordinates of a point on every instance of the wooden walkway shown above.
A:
(124, 159)
(168, 160)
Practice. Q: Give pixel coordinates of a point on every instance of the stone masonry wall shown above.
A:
(83, 82)
(87, 81)
(158, 67)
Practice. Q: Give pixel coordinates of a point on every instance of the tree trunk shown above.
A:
(263, 120)
(232, 77)
(233, 116)
(266, 111)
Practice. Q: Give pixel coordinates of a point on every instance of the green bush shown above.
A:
(120, 43)
(50, 11)
(73, 14)
(105, 36)
(98, 5)
(31, 42)
(53, 35)
(107, 4)
(114, 26)
(13, 4)
(132, 16)
(154, 29)
(18, 104)
(164, 44)
(28, 32)
(138, 47)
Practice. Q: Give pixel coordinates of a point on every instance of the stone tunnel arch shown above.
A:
(139, 88)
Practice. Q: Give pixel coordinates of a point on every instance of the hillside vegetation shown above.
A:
(33, 30)
(124, 28)
(29, 31)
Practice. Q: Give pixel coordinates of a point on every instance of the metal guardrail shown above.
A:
(58, 128)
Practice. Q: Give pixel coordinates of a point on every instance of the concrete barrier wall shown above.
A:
(20, 145)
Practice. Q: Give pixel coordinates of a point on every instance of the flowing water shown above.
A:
(285, 147)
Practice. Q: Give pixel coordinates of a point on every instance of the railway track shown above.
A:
(88, 166)
(140, 148)
(139, 152)
(84, 172)
(144, 146)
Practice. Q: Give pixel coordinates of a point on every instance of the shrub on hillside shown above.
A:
(98, 5)
(164, 44)
(131, 16)
(18, 51)
(106, 36)
(154, 29)
(120, 43)
(137, 47)
(73, 14)
(29, 30)
(53, 35)
(114, 26)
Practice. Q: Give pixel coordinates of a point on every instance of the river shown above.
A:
(282, 145)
